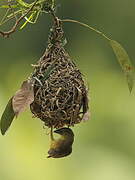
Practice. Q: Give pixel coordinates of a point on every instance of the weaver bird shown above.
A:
(63, 146)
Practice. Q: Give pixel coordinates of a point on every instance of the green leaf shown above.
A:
(28, 20)
(125, 62)
(31, 19)
(22, 3)
(14, 13)
(7, 117)
(7, 6)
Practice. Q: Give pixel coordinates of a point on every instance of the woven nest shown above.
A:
(59, 90)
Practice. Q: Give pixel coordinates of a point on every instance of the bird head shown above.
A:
(67, 135)
(66, 132)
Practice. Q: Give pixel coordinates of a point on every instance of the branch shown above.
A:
(14, 28)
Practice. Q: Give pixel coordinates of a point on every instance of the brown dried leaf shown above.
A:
(125, 62)
(23, 97)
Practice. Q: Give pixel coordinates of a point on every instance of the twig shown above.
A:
(56, 19)
(13, 29)
(87, 26)
(11, 17)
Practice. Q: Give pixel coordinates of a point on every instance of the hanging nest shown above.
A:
(60, 96)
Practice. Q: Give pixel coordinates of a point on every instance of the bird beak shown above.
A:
(57, 131)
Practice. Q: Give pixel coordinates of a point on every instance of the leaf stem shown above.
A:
(87, 26)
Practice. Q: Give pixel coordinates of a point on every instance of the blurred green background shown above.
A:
(104, 147)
